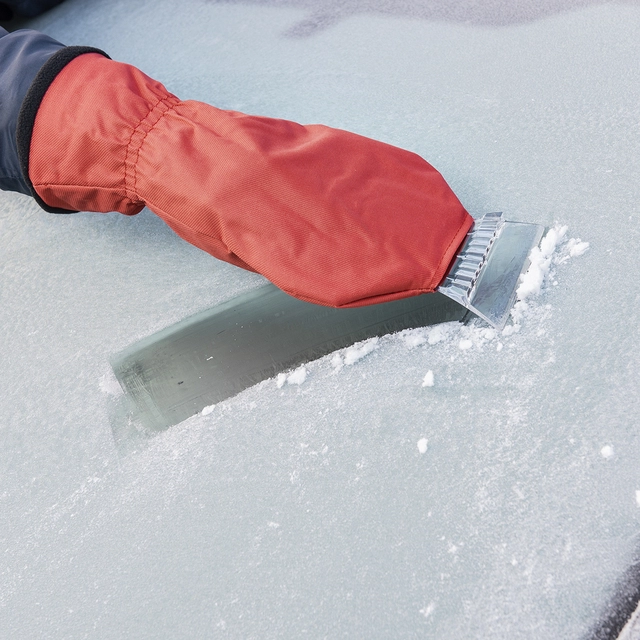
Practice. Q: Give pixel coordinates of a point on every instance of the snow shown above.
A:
(532, 110)
(540, 271)
(607, 452)
(355, 353)
(296, 377)
(422, 445)
(109, 385)
(532, 280)
(576, 247)
(415, 339)
(438, 334)
(429, 379)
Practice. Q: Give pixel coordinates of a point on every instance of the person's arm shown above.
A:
(328, 216)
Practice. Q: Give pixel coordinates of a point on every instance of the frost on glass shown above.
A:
(448, 481)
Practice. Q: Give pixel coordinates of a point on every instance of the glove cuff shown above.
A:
(29, 110)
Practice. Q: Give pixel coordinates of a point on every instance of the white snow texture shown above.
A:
(445, 482)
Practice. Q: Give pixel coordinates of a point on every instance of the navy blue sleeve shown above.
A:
(22, 55)
(29, 63)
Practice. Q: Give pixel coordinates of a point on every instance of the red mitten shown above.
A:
(328, 216)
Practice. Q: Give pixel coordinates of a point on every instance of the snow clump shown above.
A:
(543, 258)
(414, 338)
(428, 379)
(296, 377)
(607, 451)
(353, 354)
(531, 282)
(110, 386)
(422, 445)
(362, 349)
(439, 333)
(576, 247)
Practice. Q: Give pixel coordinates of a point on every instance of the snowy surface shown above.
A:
(312, 505)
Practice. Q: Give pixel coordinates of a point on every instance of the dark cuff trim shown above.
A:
(31, 103)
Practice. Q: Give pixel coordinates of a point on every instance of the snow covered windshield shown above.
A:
(449, 481)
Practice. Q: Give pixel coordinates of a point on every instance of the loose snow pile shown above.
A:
(352, 354)
(554, 250)
(296, 377)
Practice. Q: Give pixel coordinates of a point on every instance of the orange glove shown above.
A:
(328, 216)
